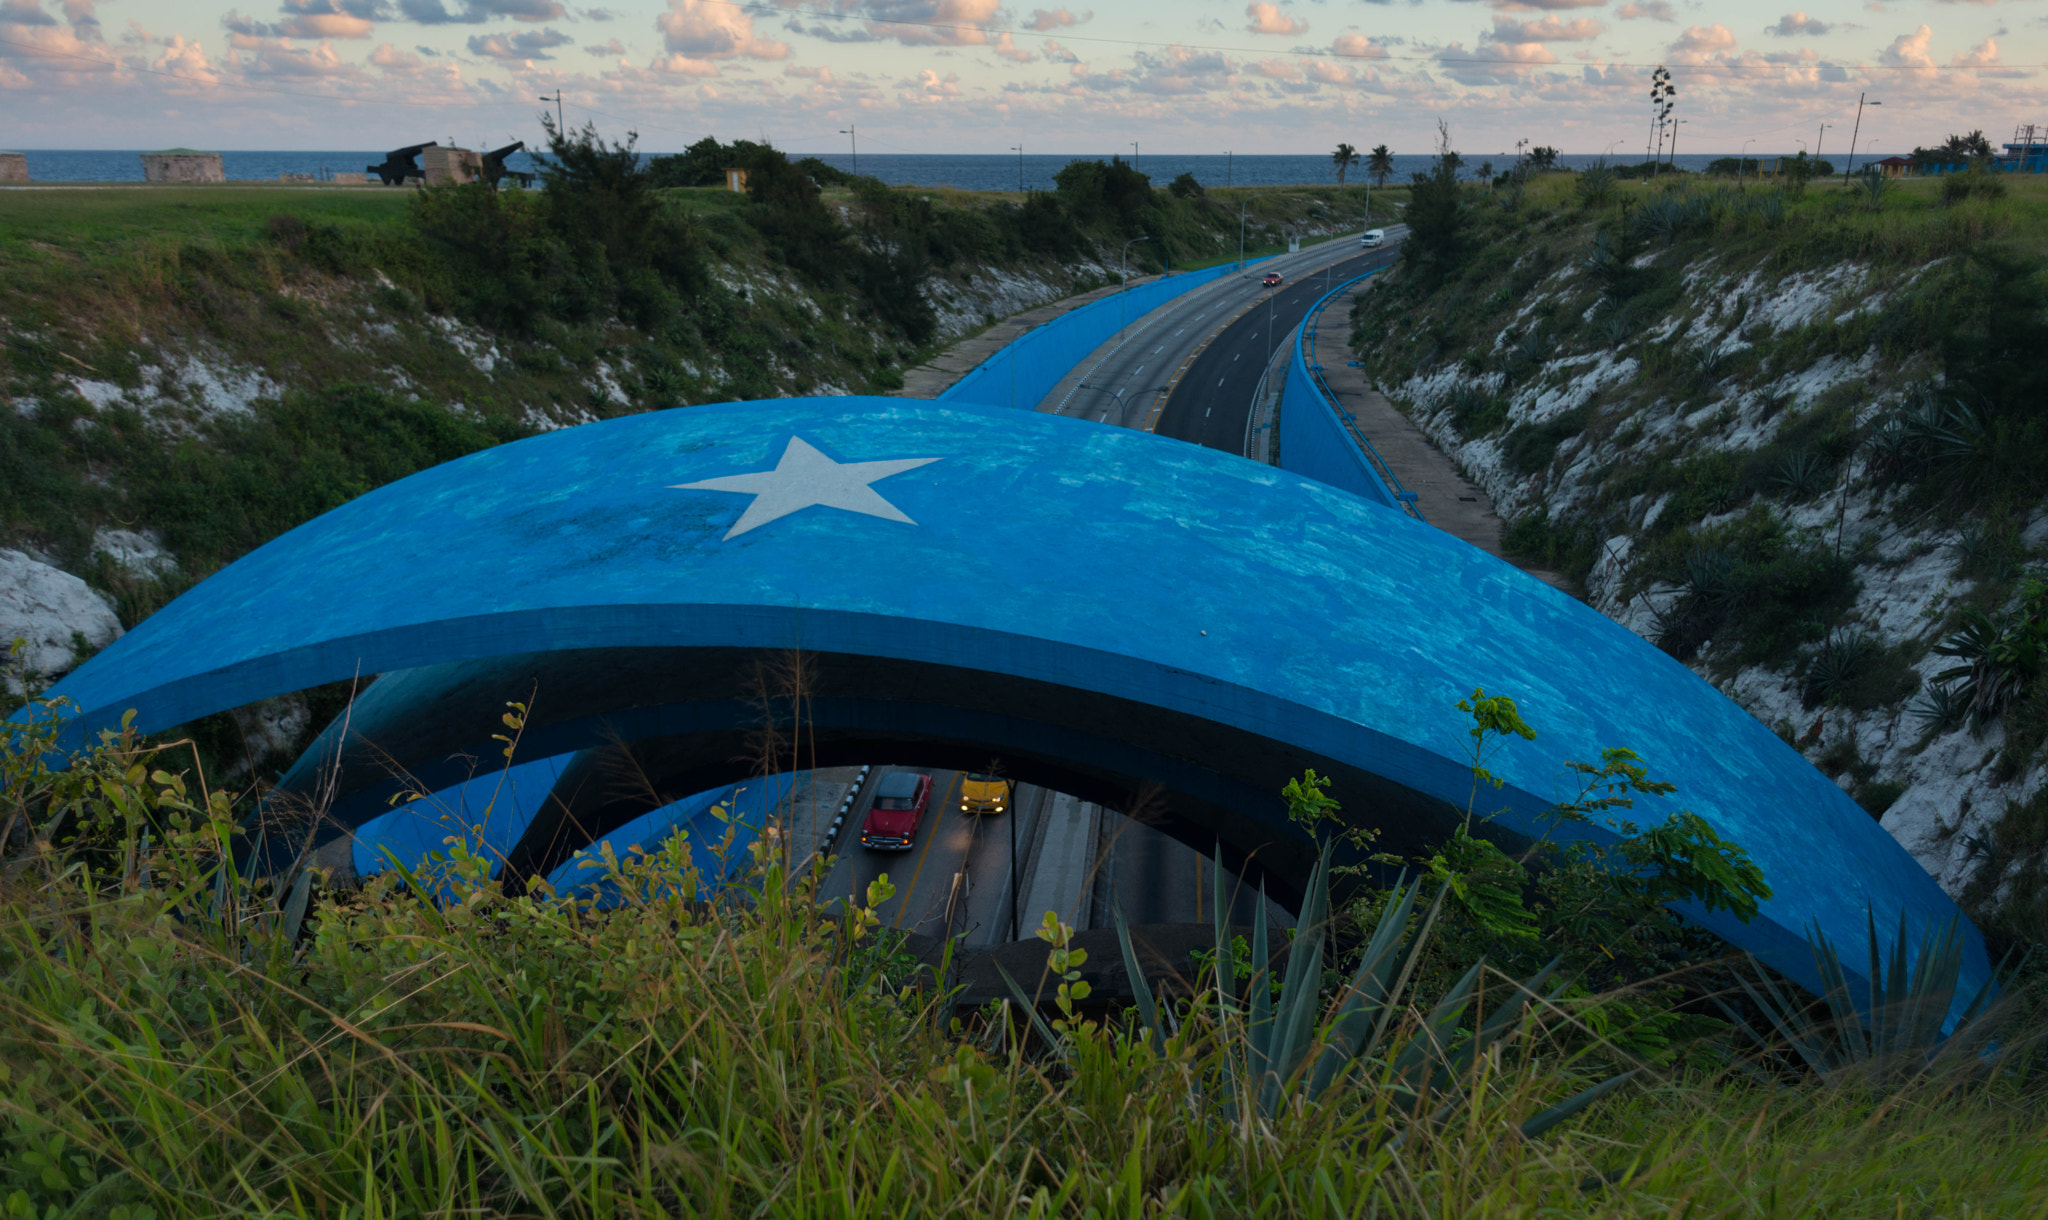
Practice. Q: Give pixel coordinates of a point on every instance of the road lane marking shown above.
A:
(952, 791)
(1160, 348)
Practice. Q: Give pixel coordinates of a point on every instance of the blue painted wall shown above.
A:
(1038, 359)
(1313, 439)
(1099, 559)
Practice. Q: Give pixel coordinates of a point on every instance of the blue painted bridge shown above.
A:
(1107, 612)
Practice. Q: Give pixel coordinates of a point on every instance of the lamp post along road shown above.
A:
(557, 100)
(1853, 133)
(1819, 138)
(850, 132)
(1019, 150)
(1123, 271)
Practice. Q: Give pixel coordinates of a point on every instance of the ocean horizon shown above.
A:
(973, 172)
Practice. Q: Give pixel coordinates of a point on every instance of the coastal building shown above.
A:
(13, 167)
(182, 165)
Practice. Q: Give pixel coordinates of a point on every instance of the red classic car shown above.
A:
(892, 821)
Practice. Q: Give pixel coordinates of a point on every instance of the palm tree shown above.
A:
(1345, 157)
(1380, 164)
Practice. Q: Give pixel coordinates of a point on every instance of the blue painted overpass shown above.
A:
(1104, 610)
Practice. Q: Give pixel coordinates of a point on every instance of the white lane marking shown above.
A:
(1159, 349)
(1205, 414)
(1183, 329)
(1236, 358)
(1219, 381)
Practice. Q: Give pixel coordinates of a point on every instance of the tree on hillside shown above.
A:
(1955, 150)
(1380, 164)
(1345, 157)
(1438, 221)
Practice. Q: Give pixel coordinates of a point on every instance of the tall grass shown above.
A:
(176, 1040)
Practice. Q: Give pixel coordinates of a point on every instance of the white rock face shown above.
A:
(140, 554)
(1907, 568)
(44, 606)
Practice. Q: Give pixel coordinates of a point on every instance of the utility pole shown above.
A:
(849, 131)
(557, 100)
(1821, 135)
(1853, 133)
(1019, 150)
(1227, 162)
(1134, 154)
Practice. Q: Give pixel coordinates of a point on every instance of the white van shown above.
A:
(1373, 237)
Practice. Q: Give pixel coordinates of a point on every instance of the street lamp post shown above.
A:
(1019, 150)
(1134, 154)
(1123, 271)
(1853, 133)
(557, 100)
(1674, 141)
(1819, 138)
(1242, 205)
(1229, 161)
(850, 131)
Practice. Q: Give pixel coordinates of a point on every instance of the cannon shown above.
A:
(399, 165)
(494, 165)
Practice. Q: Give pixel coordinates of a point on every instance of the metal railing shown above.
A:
(1305, 346)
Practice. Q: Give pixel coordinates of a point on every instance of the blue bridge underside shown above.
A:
(1101, 609)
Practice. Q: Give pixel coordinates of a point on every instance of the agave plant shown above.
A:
(1896, 1025)
(1802, 473)
(1283, 1048)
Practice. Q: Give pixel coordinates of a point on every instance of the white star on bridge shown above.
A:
(805, 477)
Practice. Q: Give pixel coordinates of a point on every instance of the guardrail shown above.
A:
(1327, 444)
(1022, 372)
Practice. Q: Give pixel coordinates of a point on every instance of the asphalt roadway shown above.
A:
(1191, 368)
(1211, 404)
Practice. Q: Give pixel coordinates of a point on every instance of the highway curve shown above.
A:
(1212, 404)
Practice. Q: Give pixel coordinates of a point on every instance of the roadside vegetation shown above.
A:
(176, 1040)
(1741, 410)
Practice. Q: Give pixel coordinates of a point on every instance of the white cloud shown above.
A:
(1266, 18)
(1653, 10)
(611, 48)
(1045, 20)
(1703, 43)
(1357, 46)
(1911, 51)
(1797, 22)
(525, 45)
(696, 30)
(1545, 29)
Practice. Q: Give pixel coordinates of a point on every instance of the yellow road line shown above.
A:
(952, 791)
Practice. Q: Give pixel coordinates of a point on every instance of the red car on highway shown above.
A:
(900, 801)
(1272, 279)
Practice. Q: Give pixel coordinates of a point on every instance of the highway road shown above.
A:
(1211, 403)
(1129, 385)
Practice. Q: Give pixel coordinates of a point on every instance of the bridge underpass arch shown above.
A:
(1182, 603)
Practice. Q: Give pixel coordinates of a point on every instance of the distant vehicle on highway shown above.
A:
(892, 821)
(1373, 237)
(983, 793)
(1272, 279)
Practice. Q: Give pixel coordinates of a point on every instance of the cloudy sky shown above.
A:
(1184, 76)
